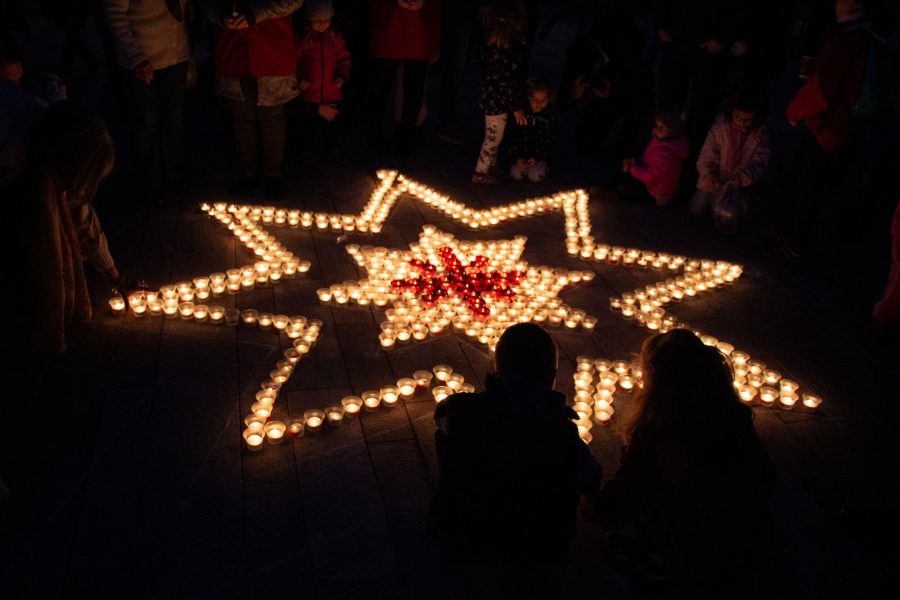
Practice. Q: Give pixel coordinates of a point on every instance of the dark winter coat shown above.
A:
(534, 140)
(502, 77)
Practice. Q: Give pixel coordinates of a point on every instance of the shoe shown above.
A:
(485, 178)
(243, 186)
(273, 188)
(452, 133)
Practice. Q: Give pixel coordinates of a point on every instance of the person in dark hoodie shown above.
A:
(512, 465)
(531, 144)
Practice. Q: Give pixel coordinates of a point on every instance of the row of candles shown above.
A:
(259, 427)
(392, 185)
(536, 295)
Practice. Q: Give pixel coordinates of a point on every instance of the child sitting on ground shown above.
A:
(503, 57)
(531, 144)
(736, 152)
(323, 66)
(658, 172)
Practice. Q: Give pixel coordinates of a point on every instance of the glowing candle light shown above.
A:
(371, 399)
(407, 387)
(334, 415)
(314, 419)
(253, 439)
(295, 427)
(811, 401)
(351, 404)
(389, 395)
(262, 409)
(275, 431)
(117, 305)
(442, 372)
(441, 393)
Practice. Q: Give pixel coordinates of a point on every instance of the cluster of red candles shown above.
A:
(471, 282)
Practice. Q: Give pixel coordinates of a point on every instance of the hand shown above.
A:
(338, 82)
(328, 112)
(144, 72)
(520, 117)
(303, 85)
(529, 162)
(664, 36)
(627, 164)
(521, 164)
(237, 21)
(712, 46)
(411, 4)
(579, 88)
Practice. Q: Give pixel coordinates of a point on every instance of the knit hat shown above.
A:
(318, 9)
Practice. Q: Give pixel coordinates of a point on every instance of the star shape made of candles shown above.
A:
(478, 288)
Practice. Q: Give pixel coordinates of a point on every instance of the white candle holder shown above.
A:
(314, 419)
(390, 394)
(352, 404)
(275, 431)
(253, 439)
(295, 427)
(334, 415)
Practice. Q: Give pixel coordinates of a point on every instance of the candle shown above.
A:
(371, 399)
(253, 421)
(423, 378)
(249, 316)
(253, 439)
(232, 316)
(386, 339)
(201, 312)
(583, 409)
(262, 410)
(788, 386)
(467, 388)
(186, 310)
(747, 393)
(811, 401)
(407, 387)
(441, 393)
(455, 381)
(585, 436)
(265, 320)
(280, 322)
(275, 431)
(334, 415)
(787, 400)
(314, 419)
(772, 377)
(389, 395)
(295, 426)
(117, 304)
(351, 404)
(768, 396)
(216, 313)
(739, 358)
(324, 294)
(170, 308)
(442, 372)
(603, 416)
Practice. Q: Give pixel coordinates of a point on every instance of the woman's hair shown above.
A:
(73, 147)
(689, 396)
(507, 20)
(537, 84)
(672, 118)
(748, 101)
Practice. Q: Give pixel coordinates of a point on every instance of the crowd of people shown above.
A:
(690, 75)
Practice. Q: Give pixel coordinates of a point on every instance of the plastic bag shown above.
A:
(728, 208)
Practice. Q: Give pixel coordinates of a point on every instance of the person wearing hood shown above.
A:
(512, 465)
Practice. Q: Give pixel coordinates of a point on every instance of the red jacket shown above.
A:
(322, 58)
(399, 33)
(827, 100)
(265, 49)
(660, 166)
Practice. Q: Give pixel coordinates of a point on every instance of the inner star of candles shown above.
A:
(471, 282)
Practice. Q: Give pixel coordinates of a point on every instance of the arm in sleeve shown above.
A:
(91, 239)
(649, 171)
(116, 12)
(758, 162)
(260, 10)
(343, 58)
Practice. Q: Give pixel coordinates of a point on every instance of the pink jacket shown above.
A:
(322, 58)
(721, 161)
(660, 165)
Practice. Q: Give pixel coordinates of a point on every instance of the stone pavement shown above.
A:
(131, 479)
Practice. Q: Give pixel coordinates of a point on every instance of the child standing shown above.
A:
(531, 144)
(502, 60)
(736, 152)
(658, 173)
(323, 66)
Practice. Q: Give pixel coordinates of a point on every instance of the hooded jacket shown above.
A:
(660, 165)
(721, 161)
(322, 58)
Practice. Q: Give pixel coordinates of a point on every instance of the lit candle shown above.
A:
(314, 419)
(603, 416)
(772, 377)
(811, 401)
(117, 304)
(335, 415)
(371, 399)
(253, 438)
(423, 378)
(324, 294)
(442, 372)
(249, 316)
(583, 409)
(253, 421)
(455, 381)
(170, 308)
(787, 400)
(280, 322)
(275, 431)
(216, 313)
(186, 310)
(389, 395)
(351, 404)
(585, 436)
(441, 393)
(201, 312)
(295, 426)
(768, 396)
(265, 320)
(262, 410)
(467, 388)
(788, 386)
(407, 387)
(747, 393)
(386, 339)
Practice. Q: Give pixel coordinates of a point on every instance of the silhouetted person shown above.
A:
(512, 464)
(694, 479)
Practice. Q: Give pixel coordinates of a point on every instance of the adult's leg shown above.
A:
(272, 138)
(243, 118)
(145, 119)
(172, 81)
(494, 125)
(811, 168)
